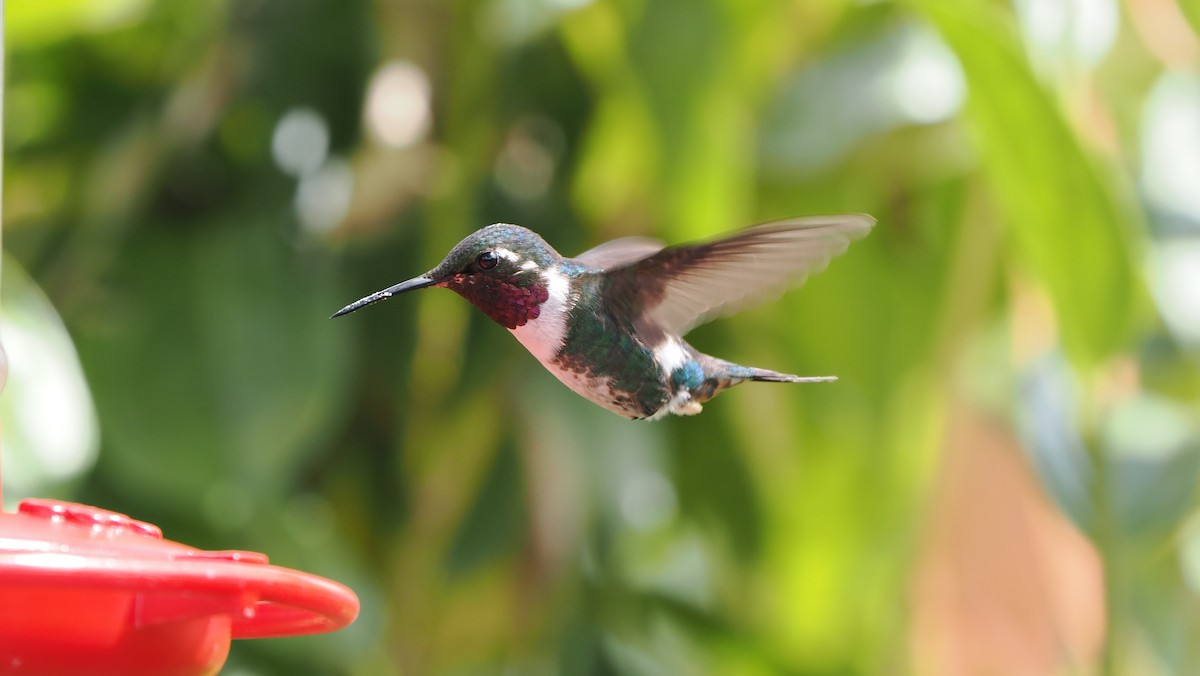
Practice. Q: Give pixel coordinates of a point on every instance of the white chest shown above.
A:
(544, 336)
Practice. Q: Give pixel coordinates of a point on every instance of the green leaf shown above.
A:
(218, 362)
(1062, 215)
(1191, 10)
(37, 23)
(493, 525)
(50, 432)
(733, 502)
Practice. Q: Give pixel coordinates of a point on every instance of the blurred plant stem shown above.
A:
(1106, 535)
(1105, 529)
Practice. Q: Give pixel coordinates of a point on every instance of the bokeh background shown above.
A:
(1002, 481)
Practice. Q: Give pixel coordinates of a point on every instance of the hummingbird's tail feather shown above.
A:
(765, 376)
(704, 376)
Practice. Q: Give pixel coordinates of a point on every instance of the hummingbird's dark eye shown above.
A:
(487, 260)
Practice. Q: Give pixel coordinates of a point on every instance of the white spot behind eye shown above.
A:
(507, 254)
(529, 265)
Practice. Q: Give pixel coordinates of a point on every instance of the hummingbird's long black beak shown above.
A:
(412, 284)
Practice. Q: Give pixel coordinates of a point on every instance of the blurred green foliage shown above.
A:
(196, 186)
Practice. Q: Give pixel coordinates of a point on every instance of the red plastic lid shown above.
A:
(91, 590)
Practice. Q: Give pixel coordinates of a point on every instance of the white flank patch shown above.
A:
(670, 355)
(544, 336)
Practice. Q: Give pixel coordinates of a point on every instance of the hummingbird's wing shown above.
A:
(620, 252)
(683, 286)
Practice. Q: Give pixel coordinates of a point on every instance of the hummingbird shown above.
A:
(609, 323)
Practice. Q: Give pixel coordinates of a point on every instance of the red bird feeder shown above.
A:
(85, 590)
